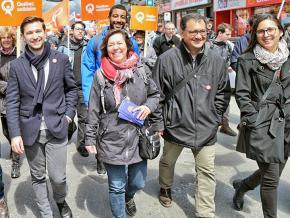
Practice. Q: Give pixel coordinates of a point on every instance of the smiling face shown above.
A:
(224, 36)
(34, 36)
(78, 32)
(118, 19)
(117, 48)
(6, 42)
(268, 35)
(194, 35)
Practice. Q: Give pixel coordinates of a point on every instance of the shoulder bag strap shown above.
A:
(180, 85)
(270, 88)
(101, 81)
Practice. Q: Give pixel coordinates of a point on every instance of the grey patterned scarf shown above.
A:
(273, 60)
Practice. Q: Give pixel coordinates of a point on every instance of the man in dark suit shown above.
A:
(41, 102)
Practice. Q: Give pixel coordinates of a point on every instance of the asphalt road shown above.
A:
(88, 192)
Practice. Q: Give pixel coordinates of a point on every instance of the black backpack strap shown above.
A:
(102, 83)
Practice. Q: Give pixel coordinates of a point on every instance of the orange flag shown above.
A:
(58, 16)
(13, 12)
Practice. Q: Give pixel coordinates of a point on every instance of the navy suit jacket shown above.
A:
(60, 98)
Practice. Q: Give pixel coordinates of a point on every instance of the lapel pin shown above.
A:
(54, 60)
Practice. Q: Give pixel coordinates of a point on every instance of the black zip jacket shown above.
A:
(193, 114)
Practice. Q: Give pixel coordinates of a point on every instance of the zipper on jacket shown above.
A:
(127, 144)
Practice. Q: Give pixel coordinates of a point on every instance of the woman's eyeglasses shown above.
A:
(270, 31)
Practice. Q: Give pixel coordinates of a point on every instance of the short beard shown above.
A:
(112, 26)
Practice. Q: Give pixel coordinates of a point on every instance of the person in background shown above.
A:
(52, 39)
(114, 139)
(262, 94)
(150, 57)
(192, 113)
(241, 45)
(287, 34)
(40, 103)
(210, 32)
(224, 47)
(160, 29)
(7, 54)
(90, 31)
(152, 35)
(166, 40)
(77, 47)
(92, 57)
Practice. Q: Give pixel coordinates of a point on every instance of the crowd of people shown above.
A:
(179, 84)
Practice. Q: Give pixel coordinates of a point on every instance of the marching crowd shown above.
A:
(175, 85)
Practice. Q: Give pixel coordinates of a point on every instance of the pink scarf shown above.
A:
(119, 73)
(7, 52)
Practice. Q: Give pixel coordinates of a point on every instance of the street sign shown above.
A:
(149, 2)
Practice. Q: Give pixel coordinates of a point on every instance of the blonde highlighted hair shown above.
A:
(8, 31)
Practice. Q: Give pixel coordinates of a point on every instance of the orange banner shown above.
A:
(12, 12)
(57, 17)
(144, 18)
(96, 9)
(101, 24)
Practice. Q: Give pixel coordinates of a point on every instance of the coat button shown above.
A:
(244, 123)
(262, 68)
(280, 119)
(195, 75)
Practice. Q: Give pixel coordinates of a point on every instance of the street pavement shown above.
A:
(88, 191)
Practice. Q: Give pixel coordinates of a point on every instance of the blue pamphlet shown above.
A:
(126, 112)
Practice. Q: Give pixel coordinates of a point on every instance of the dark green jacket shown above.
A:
(265, 127)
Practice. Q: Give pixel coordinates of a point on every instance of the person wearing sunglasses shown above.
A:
(262, 94)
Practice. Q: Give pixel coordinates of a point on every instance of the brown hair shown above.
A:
(253, 40)
(32, 19)
(8, 31)
(111, 33)
(223, 27)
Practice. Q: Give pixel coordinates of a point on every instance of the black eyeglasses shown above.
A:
(270, 31)
(196, 32)
(80, 29)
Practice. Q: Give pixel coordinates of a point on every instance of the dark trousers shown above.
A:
(1, 184)
(15, 157)
(268, 176)
(82, 112)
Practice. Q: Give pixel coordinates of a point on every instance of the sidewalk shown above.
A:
(88, 192)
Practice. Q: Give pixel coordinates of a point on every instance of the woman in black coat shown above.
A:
(262, 94)
(7, 54)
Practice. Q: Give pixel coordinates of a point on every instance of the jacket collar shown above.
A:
(202, 53)
(53, 62)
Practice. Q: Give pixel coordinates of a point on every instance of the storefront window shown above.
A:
(241, 21)
(274, 9)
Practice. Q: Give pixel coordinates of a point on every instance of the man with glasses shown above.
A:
(77, 46)
(166, 40)
(195, 92)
